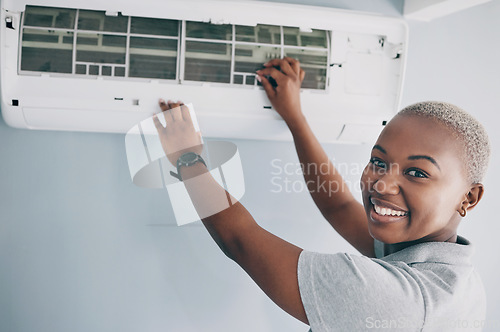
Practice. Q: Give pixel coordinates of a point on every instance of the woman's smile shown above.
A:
(386, 212)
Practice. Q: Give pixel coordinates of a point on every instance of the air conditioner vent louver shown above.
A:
(84, 42)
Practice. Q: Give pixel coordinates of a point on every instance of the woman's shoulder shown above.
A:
(428, 281)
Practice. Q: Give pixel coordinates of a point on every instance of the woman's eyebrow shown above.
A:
(432, 160)
(416, 157)
(378, 147)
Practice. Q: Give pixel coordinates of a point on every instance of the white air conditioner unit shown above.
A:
(102, 65)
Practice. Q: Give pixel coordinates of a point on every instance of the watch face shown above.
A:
(188, 157)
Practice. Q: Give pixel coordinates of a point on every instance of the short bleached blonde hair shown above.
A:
(476, 143)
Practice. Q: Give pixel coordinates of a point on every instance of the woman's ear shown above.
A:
(471, 198)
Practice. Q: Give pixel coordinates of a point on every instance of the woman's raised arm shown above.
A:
(338, 206)
(270, 261)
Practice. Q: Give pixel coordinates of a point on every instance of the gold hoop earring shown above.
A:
(463, 212)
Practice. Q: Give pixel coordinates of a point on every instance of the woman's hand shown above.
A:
(179, 135)
(285, 97)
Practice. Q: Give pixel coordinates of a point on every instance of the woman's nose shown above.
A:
(387, 184)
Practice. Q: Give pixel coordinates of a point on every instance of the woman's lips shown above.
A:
(386, 212)
(385, 204)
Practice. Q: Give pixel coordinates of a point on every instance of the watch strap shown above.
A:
(175, 175)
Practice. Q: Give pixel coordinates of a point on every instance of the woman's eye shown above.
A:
(416, 173)
(377, 163)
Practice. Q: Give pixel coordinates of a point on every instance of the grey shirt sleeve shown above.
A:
(342, 292)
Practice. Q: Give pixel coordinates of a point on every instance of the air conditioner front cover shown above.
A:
(101, 66)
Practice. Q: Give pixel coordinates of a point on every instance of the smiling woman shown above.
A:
(427, 163)
(423, 176)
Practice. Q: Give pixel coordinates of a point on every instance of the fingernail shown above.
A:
(162, 101)
(266, 64)
(258, 78)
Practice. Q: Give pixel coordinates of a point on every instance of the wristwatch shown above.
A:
(187, 159)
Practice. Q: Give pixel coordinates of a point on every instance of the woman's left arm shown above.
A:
(269, 260)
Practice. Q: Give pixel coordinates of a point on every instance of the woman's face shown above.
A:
(415, 182)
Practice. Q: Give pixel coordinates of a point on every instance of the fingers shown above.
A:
(175, 109)
(288, 65)
(180, 111)
(165, 110)
(277, 75)
(268, 87)
(294, 63)
(282, 64)
(186, 115)
(158, 125)
(163, 105)
(302, 75)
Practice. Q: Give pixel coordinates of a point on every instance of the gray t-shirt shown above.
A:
(426, 287)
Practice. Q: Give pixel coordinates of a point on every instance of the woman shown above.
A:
(423, 176)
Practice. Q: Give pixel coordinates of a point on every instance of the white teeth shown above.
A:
(386, 211)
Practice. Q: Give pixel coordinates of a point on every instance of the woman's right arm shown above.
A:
(338, 205)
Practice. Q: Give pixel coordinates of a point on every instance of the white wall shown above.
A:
(82, 249)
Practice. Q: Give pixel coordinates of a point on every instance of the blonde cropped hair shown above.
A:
(465, 126)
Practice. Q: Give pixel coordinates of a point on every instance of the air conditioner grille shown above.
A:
(74, 42)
